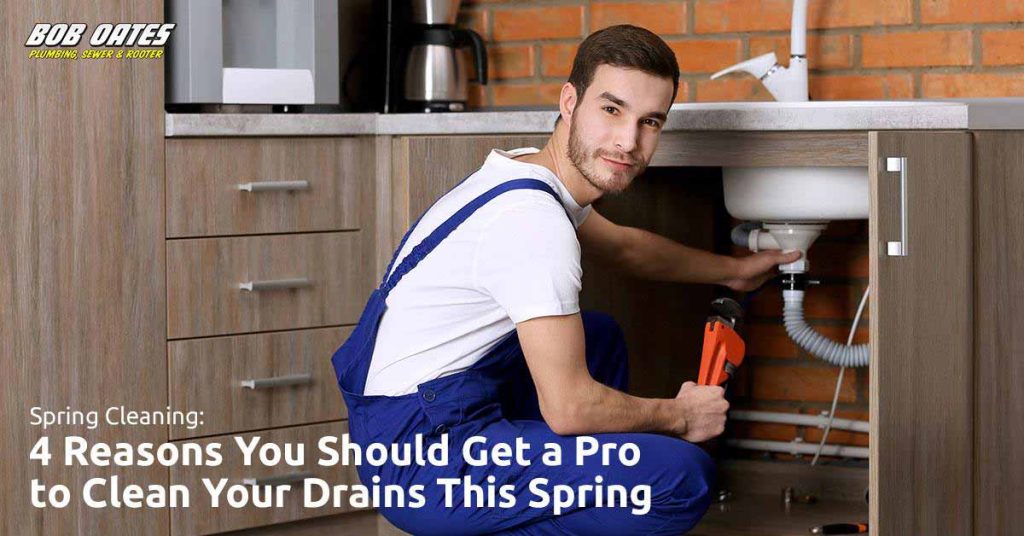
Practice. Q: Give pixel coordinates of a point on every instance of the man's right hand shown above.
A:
(703, 411)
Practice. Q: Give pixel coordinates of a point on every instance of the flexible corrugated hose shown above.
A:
(815, 343)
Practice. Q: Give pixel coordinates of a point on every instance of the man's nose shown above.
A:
(626, 138)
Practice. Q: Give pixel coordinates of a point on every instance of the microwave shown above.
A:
(254, 52)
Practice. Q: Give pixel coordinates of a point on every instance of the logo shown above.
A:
(64, 36)
(153, 34)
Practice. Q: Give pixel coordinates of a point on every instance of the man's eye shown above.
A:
(610, 109)
(651, 122)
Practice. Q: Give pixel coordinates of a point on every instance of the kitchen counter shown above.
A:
(974, 114)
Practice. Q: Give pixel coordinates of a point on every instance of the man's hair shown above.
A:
(626, 46)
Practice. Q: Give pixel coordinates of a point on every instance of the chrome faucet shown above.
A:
(784, 83)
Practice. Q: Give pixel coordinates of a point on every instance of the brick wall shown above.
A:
(857, 49)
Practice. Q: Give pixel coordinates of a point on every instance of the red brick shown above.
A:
(861, 87)
(801, 384)
(769, 340)
(706, 55)
(658, 17)
(683, 95)
(732, 88)
(719, 16)
(825, 302)
(504, 62)
(823, 51)
(954, 11)
(916, 49)
(521, 95)
(475, 20)
(477, 96)
(1002, 47)
(538, 23)
(850, 13)
(834, 302)
(556, 60)
(831, 259)
(763, 431)
(972, 85)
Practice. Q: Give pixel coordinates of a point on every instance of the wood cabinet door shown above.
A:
(81, 264)
(921, 334)
(999, 331)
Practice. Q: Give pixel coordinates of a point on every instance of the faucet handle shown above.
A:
(759, 67)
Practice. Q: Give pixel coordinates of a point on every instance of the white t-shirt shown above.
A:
(515, 258)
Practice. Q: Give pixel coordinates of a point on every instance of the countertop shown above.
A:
(973, 114)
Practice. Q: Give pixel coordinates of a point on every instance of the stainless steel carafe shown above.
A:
(436, 73)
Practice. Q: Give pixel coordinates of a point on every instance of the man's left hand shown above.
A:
(752, 271)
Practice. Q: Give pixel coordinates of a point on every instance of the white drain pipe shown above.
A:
(796, 447)
(817, 421)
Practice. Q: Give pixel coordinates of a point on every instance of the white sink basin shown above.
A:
(796, 194)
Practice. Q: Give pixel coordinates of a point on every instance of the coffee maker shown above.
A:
(429, 72)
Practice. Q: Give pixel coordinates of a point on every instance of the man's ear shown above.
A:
(567, 101)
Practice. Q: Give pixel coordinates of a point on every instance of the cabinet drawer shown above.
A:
(250, 382)
(296, 281)
(201, 518)
(204, 178)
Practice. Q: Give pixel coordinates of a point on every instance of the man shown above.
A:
(483, 335)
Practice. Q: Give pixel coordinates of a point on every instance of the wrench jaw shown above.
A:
(728, 311)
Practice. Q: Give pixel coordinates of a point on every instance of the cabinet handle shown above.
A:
(278, 480)
(275, 284)
(899, 164)
(278, 381)
(273, 186)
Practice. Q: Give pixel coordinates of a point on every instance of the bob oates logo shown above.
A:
(45, 36)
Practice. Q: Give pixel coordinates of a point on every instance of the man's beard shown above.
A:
(578, 155)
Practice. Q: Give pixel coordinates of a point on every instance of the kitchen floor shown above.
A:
(765, 515)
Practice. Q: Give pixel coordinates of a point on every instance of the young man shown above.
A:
(483, 335)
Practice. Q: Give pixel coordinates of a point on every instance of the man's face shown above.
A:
(616, 125)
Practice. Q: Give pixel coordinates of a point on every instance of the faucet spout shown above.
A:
(798, 29)
(788, 84)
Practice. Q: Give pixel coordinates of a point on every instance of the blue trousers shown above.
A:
(679, 473)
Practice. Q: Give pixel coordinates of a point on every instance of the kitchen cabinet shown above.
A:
(263, 284)
(945, 320)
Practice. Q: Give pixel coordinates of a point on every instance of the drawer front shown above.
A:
(251, 382)
(201, 518)
(296, 281)
(297, 184)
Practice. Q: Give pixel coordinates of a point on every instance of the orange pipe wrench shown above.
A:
(723, 347)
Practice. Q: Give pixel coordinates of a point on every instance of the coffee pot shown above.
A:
(436, 77)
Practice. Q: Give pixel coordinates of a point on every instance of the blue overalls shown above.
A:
(495, 398)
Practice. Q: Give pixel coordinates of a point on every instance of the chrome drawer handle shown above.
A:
(275, 284)
(278, 480)
(899, 164)
(273, 186)
(278, 381)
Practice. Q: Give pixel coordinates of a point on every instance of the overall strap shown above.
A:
(409, 233)
(428, 244)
